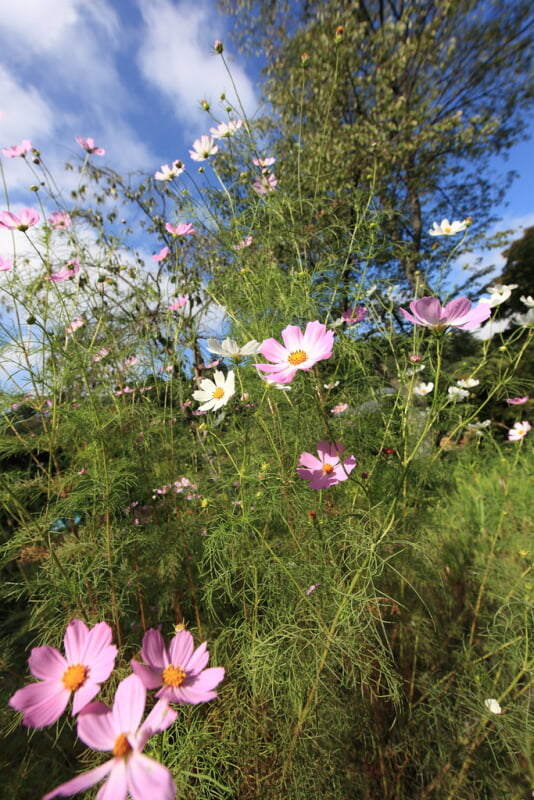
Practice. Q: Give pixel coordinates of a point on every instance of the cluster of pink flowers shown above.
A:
(179, 672)
(183, 484)
(266, 182)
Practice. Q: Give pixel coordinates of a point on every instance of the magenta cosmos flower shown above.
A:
(328, 469)
(300, 351)
(118, 731)
(26, 218)
(179, 670)
(458, 313)
(88, 662)
(354, 315)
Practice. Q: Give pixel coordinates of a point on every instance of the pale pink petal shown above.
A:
(273, 350)
(81, 782)
(116, 786)
(96, 727)
(310, 461)
(198, 660)
(330, 452)
(456, 309)
(153, 650)
(293, 339)
(409, 316)
(47, 663)
(479, 314)
(151, 677)
(181, 649)
(147, 779)
(129, 704)
(41, 703)
(428, 310)
(159, 719)
(75, 641)
(84, 695)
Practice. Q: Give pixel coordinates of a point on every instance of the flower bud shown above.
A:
(218, 46)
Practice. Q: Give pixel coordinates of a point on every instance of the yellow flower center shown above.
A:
(297, 357)
(122, 746)
(327, 468)
(447, 229)
(74, 677)
(173, 676)
(218, 393)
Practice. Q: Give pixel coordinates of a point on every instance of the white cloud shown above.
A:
(176, 57)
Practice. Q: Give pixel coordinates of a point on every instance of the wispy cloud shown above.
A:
(176, 57)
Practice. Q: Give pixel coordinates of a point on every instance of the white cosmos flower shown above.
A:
(215, 394)
(230, 349)
(527, 301)
(457, 394)
(203, 148)
(479, 427)
(493, 705)
(499, 293)
(422, 389)
(168, 173)
(525, 319)
(448, 228)
(226, 129)
(467, 383)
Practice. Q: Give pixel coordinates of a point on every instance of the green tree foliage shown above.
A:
(407, 101)
(519, 269)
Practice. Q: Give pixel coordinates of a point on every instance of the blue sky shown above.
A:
(131, 74)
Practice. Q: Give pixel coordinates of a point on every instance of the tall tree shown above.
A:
(406, 99)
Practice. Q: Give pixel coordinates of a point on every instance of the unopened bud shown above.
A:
(304, 59)
(218, 46)
(205, 105)
(339, 34)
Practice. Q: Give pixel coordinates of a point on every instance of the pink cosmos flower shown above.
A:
(76, 323)
(339, 408)
(519, 431)
(5, 264)
(17, 149)
(69, 271)
(354, 315)
(300, 351)
(265, 184)
(89, 145)
(118, 731)
(458, 313)
(517, 401)
(26, 218)
(182, 229)
(179, 302)
(328, 469)
(59, 219)
(89, 660)
(102, 353)
(180, 671)
(246, 242)
(163, 253)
